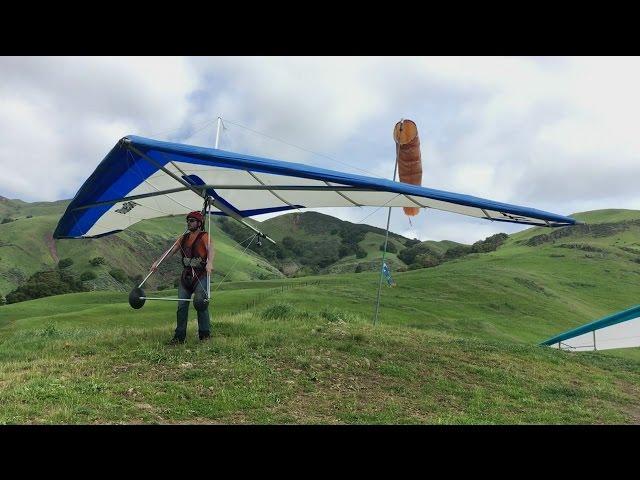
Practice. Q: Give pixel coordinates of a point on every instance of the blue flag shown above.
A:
(387, 275)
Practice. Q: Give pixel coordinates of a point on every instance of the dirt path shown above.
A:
(51, 243)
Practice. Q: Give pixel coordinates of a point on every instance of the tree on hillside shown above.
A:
(2, 300)
(391, 247)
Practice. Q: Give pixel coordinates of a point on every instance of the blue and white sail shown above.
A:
(620, 330)
(141, 178)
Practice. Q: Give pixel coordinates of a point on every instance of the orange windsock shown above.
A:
(405, 134)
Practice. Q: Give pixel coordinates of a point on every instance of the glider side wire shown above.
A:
(197, 191)
(237, 260)
(378, 208)
(417, 203)
(271, 191)
(300, 148)
(144, 180)
(135, 168)
(165, 170)
(343, 195)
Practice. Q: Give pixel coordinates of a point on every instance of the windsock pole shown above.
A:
(384, 251)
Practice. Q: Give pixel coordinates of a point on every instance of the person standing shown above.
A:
(197, 261)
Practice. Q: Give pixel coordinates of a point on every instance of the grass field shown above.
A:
(454, 344)
(306, 351)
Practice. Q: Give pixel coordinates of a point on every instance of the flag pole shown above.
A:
(386, 239)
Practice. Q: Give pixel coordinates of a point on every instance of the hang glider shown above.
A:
(141, 178)
(620, 330)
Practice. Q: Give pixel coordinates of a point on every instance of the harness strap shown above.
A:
(191, 249)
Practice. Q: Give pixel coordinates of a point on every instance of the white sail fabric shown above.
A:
(142, 178)
(620, 330)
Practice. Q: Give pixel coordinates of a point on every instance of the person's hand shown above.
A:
(154, 267)
(209, 268)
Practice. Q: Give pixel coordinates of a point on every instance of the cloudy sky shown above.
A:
(553, 133)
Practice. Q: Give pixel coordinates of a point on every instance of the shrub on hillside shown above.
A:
(359, 268)
(337, 315)
(2, 300)
(360, 252)
(489, 244)
(45, 284)
(65, 262)
(87, 276)
(391, 248)
(408, 255)
(7, 220)
(119, 275)
(96, 261)
(427, 260)
(457, 251)
(279, 311)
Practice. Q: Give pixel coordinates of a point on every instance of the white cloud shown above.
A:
(557, 134)
(60, 116)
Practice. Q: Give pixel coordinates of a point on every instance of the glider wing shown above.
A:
(141, 178)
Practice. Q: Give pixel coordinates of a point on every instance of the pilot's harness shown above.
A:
(192, 273)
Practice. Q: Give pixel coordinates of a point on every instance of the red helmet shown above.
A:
(196, 215)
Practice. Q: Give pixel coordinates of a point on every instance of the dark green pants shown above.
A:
(204, 325)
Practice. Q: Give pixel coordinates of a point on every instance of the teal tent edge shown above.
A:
(618, 317)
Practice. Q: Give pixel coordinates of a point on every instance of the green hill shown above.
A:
(308, 243)
(456, 343)
(32, 249)
(27, 247)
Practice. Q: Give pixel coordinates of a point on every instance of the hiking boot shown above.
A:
(176, 341)
(204, 335)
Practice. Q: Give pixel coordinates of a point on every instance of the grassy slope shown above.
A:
(84, 358)
(455, 344)
(24, 251)
(371, 245)
(25, 247)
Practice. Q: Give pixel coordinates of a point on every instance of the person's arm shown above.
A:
(210, 255)
(174, 249)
